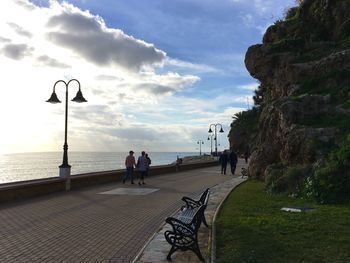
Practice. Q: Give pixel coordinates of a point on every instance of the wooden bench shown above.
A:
(185, 225)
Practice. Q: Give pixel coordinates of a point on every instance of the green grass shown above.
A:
(251, 228)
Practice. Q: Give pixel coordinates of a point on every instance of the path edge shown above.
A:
(212, 240)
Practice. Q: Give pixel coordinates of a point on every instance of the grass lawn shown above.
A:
(251, 228)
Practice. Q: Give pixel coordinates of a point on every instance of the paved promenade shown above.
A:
(109, 223)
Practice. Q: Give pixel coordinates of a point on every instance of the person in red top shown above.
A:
(129, 164)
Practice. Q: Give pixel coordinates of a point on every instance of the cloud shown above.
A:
(107, 78)
(4, 40)
(88, 36)
(198, 68)
(250, 86)
(99, 115)
(25, 4)
(16, 51)
(51, 62)
(138, 133)
(248, 20)
(166, 84)
(135, 92)
(19, 30)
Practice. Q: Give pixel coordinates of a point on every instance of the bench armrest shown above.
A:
(190, 203)
(179, 227)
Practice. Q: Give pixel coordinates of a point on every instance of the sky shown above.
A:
(156, 73)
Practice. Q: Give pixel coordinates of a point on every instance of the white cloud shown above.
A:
(88, 36)
(250, 86)
(248, 20)
(118, 77)
(199, 68)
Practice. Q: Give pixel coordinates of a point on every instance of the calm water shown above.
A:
(28, 166)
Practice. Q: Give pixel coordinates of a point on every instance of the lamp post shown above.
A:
(215, 135)
(65, 167)
(200, 142)
(210, 137)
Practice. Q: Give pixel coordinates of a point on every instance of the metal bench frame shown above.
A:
(186, 224)
(192, 204)
(184, 233)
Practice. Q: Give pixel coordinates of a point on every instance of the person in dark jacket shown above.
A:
(149, 163)
(233, 161)
(142, 166)
(223, 161)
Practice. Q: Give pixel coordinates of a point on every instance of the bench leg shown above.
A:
(196, 250)
(205, 221)
(172, 250)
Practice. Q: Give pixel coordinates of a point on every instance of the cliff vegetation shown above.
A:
(299, 129)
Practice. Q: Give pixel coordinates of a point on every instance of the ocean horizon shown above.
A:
(15, 167)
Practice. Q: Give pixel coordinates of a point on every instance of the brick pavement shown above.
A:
(85, 226)
(158, 248)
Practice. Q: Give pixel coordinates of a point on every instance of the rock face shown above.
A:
(303, 65)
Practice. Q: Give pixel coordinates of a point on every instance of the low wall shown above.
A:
(28, 189)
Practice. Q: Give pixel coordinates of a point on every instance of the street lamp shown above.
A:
(200, 142)
(210, 137)
(215, 133)
(65, 167)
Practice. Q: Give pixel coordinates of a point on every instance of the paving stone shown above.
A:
(83, 225)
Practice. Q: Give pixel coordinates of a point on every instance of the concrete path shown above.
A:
(109, 223)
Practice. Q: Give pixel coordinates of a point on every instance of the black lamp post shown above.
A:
(210, 137)
(215, 135)
(200, 142)
(65, 167)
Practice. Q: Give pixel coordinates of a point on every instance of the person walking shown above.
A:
(142, 166)
(246, 154)
(149, 161)
(129, 164)
(223, 161)
(233, 161)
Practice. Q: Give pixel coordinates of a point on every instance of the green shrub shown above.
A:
(286, 179)
(330, 183)
(346, 104)
(296, 176)
(274, 178)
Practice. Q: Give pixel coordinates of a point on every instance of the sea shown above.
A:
(29, 166)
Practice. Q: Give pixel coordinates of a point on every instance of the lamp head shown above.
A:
(221, 130)
(210, 131)
(79, 97)
(53, 99)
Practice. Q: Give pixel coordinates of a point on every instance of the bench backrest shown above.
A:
(205, 197)
(197, 218)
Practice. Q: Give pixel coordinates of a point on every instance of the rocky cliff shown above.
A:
(303, 66)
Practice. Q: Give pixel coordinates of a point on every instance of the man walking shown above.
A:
(223, 161)
(233, 161)
(149, 161)
(129, 164)
(142, 166)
